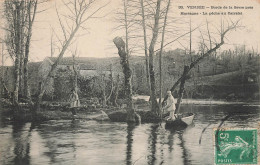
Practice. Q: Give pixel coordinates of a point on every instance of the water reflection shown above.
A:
(152, 140)
(186, 154)
(170, 141)
(59, 141)
(181, 148)
(129, 143)
(22, 137)
(162, 148)
(102, 143)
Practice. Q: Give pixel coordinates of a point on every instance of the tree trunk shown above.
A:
(155, 106)
(160, 55)
(21, 31)
(26, 83)
(181, 90)
(21, 73)
(27, 49)
(120, 44)
(145, 49)
(17, 54)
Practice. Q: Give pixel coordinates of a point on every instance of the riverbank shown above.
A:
(205, 101)
(25, 115)
(61, 110)
(52, 111)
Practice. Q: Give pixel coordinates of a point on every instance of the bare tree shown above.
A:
(106, 91)
(160, 53)
(126, 20)
(14, 14)
(210, 51)
(120, 44)
(79, 13)
(19, 17)
(31, 11)
(150, 12)
(155, 31)
(145, 47)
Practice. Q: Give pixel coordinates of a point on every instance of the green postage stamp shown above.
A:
(235, 146)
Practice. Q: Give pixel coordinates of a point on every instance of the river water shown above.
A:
(85, 142)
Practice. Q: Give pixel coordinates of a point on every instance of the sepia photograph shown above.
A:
(129, 82)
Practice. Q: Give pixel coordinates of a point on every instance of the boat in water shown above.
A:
(182, 121)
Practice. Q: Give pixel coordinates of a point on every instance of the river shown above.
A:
(91, 142)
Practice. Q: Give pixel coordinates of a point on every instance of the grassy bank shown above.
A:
(61, 111)
(24, 113)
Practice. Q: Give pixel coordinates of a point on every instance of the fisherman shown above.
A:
(170, 106)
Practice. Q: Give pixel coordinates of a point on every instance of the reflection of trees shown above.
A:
(186, 155)
(55, 144)
(170, 141)
(74, 125)
(130, 128)
(22, 143)
(162, 139)
(152, 140)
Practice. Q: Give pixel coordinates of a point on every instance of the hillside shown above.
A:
(214, 77)
(237, 85)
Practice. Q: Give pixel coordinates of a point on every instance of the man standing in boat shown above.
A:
(170, 106)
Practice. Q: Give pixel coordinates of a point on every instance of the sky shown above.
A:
(97, 41)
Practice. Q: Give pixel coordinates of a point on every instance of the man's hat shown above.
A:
(169, 92)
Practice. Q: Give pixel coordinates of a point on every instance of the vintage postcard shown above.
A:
(135, 82)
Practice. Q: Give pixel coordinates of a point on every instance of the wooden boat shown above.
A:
(182, 121)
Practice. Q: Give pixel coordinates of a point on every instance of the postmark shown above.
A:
(235, 146)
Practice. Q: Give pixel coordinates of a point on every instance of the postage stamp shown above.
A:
(235, 146)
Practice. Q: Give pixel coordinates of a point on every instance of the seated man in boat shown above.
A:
(170, 106)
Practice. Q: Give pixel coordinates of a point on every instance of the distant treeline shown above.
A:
(229, 74)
